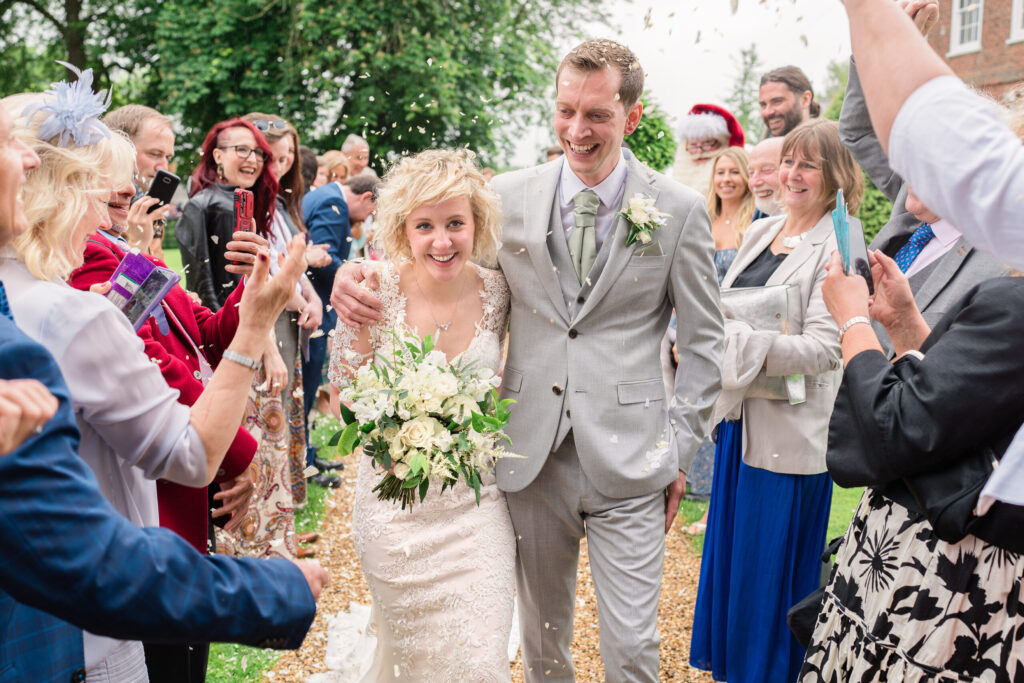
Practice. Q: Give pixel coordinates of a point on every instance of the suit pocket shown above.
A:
(642, 261)
(511, 380)
(641, 392)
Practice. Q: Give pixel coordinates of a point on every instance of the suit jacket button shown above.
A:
(573, 333)
(580, 299)
(198, 375)
(568, 414)
(556, 390)
(78, 676)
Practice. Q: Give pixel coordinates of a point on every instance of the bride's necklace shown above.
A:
(793, 241)
(430, 309)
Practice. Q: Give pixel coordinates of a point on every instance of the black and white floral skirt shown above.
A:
(903, 605)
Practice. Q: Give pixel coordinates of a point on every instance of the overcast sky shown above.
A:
(687, 48)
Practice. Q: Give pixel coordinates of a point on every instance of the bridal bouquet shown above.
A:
(422, 418)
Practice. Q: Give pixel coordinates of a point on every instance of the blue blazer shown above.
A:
(326, 216)
(71, 562)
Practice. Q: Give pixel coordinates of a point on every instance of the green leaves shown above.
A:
(653, 141)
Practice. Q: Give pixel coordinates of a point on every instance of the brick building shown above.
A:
(983, 42)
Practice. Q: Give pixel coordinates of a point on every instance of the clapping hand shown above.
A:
(924, 13)
(263, 298)
(25, 406)
(354, 304)
(893, 304)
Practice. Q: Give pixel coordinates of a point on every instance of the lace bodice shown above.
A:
(485, 347)
(441, 575)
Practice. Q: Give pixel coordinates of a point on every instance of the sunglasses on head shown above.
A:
(277, 124)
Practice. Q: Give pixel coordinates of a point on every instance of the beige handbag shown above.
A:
(768, 308)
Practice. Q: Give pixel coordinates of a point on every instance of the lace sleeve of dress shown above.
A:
(351, 348)
(495, 302)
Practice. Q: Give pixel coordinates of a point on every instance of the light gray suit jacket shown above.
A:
(777, 436)
(946, 280)
(587, 357)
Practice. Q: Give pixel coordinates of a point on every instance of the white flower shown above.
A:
(460, 407)
(436, 358)
(644, 237)
(420, 432)
(446, 385)
(401, 470)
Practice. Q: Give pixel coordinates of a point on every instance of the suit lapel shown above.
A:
(746, 255)
(607, 269)
(942, 273)
(807, 248)
(538, 200)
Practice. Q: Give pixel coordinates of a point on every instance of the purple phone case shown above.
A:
(138, 286)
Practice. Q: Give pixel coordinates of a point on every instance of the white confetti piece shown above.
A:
(310, 471)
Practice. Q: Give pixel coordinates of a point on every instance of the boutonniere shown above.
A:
(643, 218)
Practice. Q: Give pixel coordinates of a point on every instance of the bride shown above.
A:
(442, 575)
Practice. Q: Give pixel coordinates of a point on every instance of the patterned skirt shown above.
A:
(278, 423)
(903, 605)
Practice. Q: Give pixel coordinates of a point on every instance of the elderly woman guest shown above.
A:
(909, 600)
(771, 494)
(134, 430)
(731, 208)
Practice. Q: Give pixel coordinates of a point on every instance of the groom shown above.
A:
(601, 442)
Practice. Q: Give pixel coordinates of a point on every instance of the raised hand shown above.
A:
(263, 298)
(242, 250)
(353, 303)
(893, 304)
(25, 406)
(317, 256)
(924, 13)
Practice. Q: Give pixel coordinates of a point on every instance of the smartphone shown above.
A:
(243, 210)
(853, 247)
(859, 262)
(163, 187)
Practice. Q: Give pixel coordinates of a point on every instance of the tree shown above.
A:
(743, 98)
(653, 142)
(106, 35)
(406, 75)
(835, 88)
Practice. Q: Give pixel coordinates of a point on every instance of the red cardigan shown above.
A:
(183, 509)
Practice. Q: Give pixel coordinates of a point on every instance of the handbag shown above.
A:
(768, 309)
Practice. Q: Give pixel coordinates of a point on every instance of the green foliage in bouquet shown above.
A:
(421, 417)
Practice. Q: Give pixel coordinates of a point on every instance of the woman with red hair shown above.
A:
(235, 155)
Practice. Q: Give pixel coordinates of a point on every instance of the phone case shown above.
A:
(138, 286)
(243, 210)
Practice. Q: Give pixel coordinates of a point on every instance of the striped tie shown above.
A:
(912, 249)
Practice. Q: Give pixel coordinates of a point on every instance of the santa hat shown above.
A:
(710, 121)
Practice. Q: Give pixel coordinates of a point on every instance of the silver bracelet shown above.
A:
(855, 320)
(240, 359)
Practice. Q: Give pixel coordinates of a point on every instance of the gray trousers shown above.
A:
(626, 542)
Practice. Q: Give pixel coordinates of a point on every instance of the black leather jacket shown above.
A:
(204, 230)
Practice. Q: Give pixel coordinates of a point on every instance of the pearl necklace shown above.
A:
(793, 241)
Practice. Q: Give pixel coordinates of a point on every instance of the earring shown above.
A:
(220, 171)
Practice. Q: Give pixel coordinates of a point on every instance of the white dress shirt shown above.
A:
(946, 235)
(133, 429)
(609, 191)
(975, 178)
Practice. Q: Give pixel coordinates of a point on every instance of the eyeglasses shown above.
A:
(277, 124)
(706, 146)
(245, 151)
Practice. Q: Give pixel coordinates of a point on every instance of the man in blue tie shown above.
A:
(70, 560)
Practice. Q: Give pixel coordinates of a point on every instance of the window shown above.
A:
(965, 28)
(1017, 22)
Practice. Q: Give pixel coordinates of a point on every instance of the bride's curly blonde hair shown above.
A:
(69, 182)
(432, 177)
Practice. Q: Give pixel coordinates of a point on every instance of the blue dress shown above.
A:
(762, 555)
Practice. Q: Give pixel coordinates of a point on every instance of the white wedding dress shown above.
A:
(441, 576)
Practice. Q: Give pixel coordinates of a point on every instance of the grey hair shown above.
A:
(352, 141)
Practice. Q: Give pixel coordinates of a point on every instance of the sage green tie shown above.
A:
(583, 240)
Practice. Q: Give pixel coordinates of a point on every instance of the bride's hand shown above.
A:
(353, 303)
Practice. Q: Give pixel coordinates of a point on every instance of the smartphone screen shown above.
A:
(163, 187)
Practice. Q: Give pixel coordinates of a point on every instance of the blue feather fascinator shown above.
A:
(73, 111)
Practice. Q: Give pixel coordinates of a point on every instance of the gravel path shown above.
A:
(336, 553)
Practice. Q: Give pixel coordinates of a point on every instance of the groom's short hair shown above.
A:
(599, 54)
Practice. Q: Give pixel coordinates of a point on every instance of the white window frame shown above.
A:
(1016, 22)
(956, 47)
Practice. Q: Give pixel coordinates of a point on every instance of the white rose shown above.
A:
(644, 237)
(419, 432)
(443, 440)
(460, 407)
(446, 385)
(400, 470)
(436, 358)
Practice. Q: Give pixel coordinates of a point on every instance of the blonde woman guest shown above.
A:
(771, 492)
(731, 208)
(133, 429)
(442, 575)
